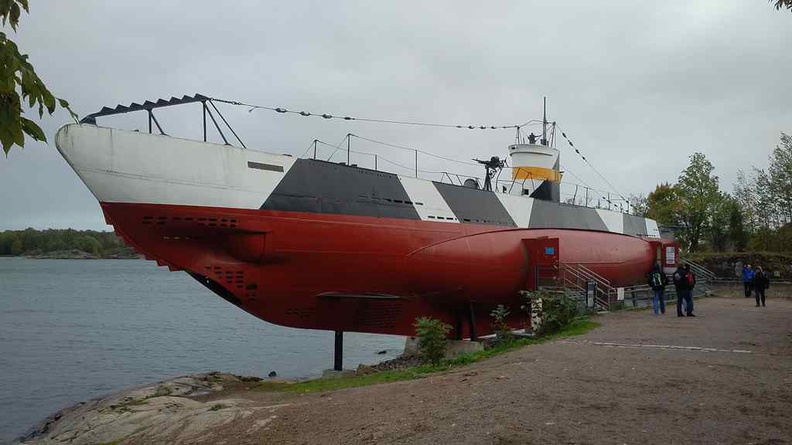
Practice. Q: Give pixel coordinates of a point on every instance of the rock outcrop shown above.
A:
(173, 411)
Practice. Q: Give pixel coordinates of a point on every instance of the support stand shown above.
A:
(472, 320)
(339, 351)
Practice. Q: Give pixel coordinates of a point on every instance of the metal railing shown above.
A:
(574, 278)
(702, 273)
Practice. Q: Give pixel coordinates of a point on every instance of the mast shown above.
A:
(544, 122)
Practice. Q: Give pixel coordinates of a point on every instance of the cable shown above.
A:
(592, 166)
(364, 119)
(414, 149)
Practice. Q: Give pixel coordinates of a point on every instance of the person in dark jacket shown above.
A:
(684, 281)
(760, 283)
(658, 281)
(747, 279)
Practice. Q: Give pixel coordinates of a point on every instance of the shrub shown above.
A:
(431, 338)
(503, 331)
(558, 310)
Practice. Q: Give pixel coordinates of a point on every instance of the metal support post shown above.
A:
(472, 321)
(338, 362)
(375, 163)
(204, 119)
(315, 141)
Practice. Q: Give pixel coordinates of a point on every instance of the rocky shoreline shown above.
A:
(187, 404)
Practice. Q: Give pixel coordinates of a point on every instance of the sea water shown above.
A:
(72, 330)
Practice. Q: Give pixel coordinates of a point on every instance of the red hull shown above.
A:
(310, 270)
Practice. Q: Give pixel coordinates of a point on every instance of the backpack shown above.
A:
(656, 280)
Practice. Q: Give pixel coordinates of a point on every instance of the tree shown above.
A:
(698, 191)
(718, 224)
(89, 244)
(16, 246)
(780, 179)
(745, 197)
(737, 233)
(20, 84)
(663, 205)
(639, 204)
(782, 4)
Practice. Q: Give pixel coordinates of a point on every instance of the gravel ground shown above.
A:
(722, 377)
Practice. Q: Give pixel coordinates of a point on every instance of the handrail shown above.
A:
(700, 270)
(595, 274)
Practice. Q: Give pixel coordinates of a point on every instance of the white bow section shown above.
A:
(133, 167)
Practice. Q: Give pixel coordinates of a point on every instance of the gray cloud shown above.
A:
(638, 86)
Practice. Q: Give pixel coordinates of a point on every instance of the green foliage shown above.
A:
(737, 233)
(89, 244)
(503, 332)
(218, 407)
(698, 191)
(34, 242)
(577, 327)
(15, 248)
(431, 338)
(664, 205)
(558, 310)
(765, 201)
(19, 84)
(721, 214)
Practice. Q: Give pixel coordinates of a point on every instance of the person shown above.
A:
(684, 281)
(760, 283)
(658, 281)
(747, 279)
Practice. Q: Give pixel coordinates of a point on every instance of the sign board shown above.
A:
(670, 256)
(591, 288)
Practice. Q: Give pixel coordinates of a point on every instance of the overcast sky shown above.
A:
(637, 85)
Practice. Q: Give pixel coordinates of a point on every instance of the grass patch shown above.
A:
(577, 327)
(218, 407)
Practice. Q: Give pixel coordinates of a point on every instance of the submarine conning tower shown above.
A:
(537, 168)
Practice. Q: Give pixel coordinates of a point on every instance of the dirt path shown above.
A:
(655, 386)
(722, 377)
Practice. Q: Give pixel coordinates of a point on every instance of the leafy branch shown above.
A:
(20, 84)
(782, 4)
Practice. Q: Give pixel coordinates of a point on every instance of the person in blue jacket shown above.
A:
(747, 279)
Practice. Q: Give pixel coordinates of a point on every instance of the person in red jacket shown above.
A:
(684, 281)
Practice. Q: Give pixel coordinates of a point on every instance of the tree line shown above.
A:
(36, 242)
(756, 216)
